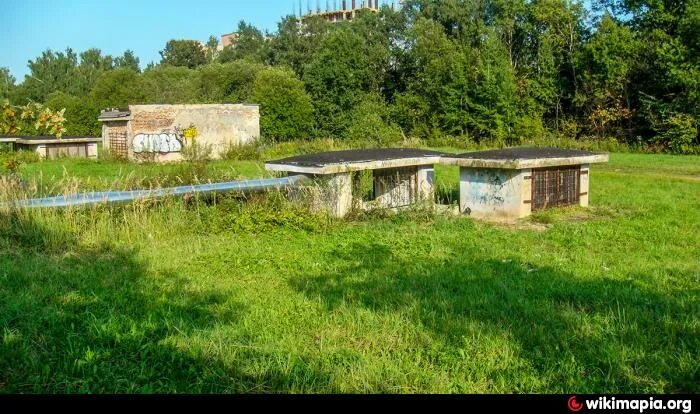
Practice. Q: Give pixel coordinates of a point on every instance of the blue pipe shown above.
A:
(122, 196)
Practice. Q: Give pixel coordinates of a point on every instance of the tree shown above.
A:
(212, 48)
(127, 61)
(184, 53)
(50, 72)
(118, 88)
(250, 43)
(295, 44)
(7, 83)
(346, 66)
(230, 82)
(605, 65)
(285, 108)
(80, 113)
(171, 85)
(92, 65)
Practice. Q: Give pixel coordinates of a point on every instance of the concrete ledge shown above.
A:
(524, 158)
(42, 140)
(49, 141)
(352, 167)
(525, 164)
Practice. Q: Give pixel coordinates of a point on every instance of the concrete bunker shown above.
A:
(511, 183)
(158, 132)
(401, 177)
(49, 147)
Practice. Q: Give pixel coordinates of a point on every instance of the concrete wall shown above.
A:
(155, 132)
(330, 193)
(584, 185)
(402, 187)
(495, 194)
(217, 125)
(62, 149)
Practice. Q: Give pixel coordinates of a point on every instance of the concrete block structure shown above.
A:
(401, 177)
(511, 183)
(156, 132)
(49, 147)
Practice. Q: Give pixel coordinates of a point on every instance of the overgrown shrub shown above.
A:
(369, 123)
(678, 132)
(12, 160)
(81, 113)
(286, 112)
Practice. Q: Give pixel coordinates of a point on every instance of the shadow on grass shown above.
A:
(577, 334)
(95, 319)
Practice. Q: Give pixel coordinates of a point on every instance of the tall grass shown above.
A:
(258, 294)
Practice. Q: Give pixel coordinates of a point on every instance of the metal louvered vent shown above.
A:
(554, 187)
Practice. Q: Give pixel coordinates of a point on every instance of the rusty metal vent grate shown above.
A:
(117, 145)
(554, 187)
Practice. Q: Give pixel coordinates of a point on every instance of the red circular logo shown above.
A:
(574, 405)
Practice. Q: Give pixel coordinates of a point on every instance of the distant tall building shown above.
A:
(228, 39)
(343, 10)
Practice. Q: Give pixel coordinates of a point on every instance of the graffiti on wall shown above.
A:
(162, 143)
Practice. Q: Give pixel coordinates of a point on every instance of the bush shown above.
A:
(230, 82)
(368, 122)
(678, 132)
(286, 112)
(81, 113)
(118, 88)
(171, 85)
(11, 161)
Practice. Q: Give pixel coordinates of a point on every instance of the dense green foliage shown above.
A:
(187, 53)
(285, 108)
(501, 71)
(219, 295)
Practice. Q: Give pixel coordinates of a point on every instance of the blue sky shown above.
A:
(31, 26)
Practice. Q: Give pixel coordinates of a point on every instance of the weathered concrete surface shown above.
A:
(495, 194)
(52, 147)
(521, 158)
(403, 187)
(329, 193)
(155, 132)
(584, 185)
(401, 176)
(426, 184)
(395, 187)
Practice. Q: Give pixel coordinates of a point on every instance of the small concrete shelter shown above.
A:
(511, 183)
(401, 176)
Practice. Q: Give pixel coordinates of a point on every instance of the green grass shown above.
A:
(258, 295)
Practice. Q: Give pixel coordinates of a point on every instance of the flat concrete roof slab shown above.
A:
(41, 140)
(114, 115)
(335, 162)
(525, 157)
(54, 140)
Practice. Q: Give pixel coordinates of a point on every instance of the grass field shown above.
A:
(261, 296)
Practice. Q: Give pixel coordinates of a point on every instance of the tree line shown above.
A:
(481, 70)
